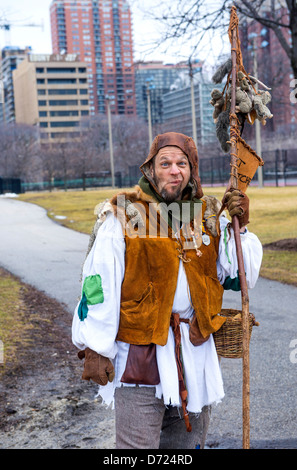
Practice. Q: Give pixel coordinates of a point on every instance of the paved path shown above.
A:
(40, 251)
(50, 257)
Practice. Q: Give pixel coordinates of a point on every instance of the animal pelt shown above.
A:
(250, 104)
(243, 81)
(243, 102)
(222, 130)
(128, 211)
(222, 71)
(217, 101)
(260, 102)
(213, 207)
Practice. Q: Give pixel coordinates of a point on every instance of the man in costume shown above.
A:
(159, 259)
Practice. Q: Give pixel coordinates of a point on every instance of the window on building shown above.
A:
(58, 81)
(66, 91)
(43, 124)
(41, 92)
(64, 123)
(41, 103)
(61, 70)
(59, 135)
(42, 113)
(63, 113)
(63, 102)
(84, 102)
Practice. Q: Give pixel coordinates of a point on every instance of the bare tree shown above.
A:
(129, 137)
(6, 142)
(131, 141)
(18, 151)
(281, 17)
(195, 19)
(49, 163)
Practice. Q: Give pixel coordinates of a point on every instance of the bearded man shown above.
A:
(159, 259)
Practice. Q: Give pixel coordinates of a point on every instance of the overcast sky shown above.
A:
(18, 12)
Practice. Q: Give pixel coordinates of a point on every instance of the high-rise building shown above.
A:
(100, 31)
(51, 92)
(10, 58)
(157, 78)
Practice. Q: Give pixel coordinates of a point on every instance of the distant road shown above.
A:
(50, 257)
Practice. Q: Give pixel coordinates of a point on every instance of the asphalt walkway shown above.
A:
(50, 257)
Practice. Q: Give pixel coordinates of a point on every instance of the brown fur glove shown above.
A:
(96, 367)
(237, 203)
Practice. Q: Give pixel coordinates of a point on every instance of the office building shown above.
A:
(100, 32)
(177, 105)
(51, 91)
(157, 78)
(10, 58)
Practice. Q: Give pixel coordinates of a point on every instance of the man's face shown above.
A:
(171, 172)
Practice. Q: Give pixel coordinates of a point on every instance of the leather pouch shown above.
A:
(141, 367)
(195, 335)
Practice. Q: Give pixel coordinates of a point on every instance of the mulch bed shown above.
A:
(287, 244)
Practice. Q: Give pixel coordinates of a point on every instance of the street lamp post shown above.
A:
(149, 115)
(194, 129)
(149, 87)
(110, 141)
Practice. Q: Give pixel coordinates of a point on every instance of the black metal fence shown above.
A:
(10, 185)
(280, 169)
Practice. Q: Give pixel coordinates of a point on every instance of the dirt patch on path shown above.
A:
(44, 404)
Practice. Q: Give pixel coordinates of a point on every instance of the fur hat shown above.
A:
(187, 145)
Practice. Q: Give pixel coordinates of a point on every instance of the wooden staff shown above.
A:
(235, 224)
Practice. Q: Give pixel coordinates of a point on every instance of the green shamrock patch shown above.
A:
(92, 294)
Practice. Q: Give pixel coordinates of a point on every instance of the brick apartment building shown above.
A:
(100, 31)
(274, 70)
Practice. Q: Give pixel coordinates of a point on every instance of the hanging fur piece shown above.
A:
(222, 71)
(250, 104)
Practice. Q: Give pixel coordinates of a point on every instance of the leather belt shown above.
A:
(175, 324)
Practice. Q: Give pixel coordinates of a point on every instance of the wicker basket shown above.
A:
(228, 339)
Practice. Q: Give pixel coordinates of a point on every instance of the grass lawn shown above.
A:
(13, 325)
(273, 216)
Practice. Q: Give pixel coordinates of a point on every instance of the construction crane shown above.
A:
(7, 26)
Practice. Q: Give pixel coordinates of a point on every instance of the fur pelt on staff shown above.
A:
(222, 71)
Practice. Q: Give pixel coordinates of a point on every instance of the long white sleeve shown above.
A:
(227, 265)
(104, 266)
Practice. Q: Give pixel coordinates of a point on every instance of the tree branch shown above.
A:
(273, 24)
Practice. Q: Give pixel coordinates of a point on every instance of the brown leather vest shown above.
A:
(151, 271)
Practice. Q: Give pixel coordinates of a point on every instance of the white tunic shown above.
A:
(99, 329)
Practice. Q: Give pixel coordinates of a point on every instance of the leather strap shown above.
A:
(175, 324)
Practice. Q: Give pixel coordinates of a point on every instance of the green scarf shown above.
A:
(182, 211)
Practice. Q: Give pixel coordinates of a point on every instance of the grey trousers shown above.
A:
(144, 422)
